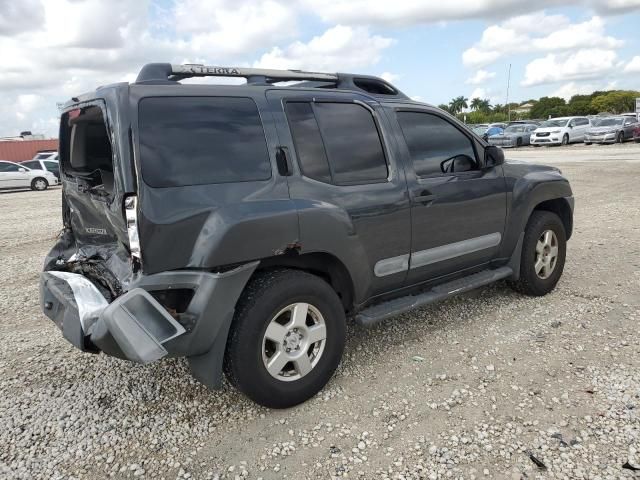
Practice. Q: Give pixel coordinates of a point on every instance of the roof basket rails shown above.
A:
(162, 73)
(159, 72)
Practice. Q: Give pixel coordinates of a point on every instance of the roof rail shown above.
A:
(154, 72)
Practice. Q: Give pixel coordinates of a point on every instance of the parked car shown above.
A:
(49, 155)
(515, 135)
(14, 175)
(561, 131)
(493, 129)
(244, 245)
(611, 130)
(636, 133)
(480, 130)
(49, 165)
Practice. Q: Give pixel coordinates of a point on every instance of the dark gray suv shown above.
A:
(242, 226)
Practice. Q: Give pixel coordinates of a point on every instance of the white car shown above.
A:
(561, 131)
(49, 165)
(52, 155)
(14, 175)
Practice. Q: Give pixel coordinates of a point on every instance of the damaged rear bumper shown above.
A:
(137, 327)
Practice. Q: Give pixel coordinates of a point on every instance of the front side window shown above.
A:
(434, 143)
(9, 167)
(201, 140)
(337, 142)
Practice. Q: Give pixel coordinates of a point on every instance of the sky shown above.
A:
(432, 50)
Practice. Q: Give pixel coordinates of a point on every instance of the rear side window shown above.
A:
(337, 142)
(8, 167)
(201, 140)
(431, 141)
(51, 166)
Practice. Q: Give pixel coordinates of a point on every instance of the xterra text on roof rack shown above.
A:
(241, 226)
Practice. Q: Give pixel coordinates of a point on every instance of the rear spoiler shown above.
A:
(163, 72)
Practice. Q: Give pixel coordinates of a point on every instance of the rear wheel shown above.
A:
(39, 184)
(565, 139)
(543, 254)
(286, 339)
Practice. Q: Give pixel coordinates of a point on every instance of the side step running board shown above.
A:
(377, 313)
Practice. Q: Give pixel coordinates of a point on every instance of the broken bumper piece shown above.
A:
(134, 326)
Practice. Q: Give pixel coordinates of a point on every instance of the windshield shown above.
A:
(515, 129)
(608, 122)
(559, 122)
(479, 130)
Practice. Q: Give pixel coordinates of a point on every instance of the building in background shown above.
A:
(25, 146)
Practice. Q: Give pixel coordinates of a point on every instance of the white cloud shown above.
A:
(570, 89)
(519, 35)
(234, 26)
(338, 48)
(20, 16)
(412, 12)
(580, 65)
(633, 66)
(390, 77)
(481, 76)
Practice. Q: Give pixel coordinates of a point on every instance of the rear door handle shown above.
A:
(423, 196)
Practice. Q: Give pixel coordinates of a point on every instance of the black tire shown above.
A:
(587, 143)
(40, 184)
(565, 139)
(264, 296)
(620, 138)
(519, 142)
(530, 283)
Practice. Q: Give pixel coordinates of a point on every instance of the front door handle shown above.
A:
(423, 196)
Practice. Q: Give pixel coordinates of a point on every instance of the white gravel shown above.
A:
(471, 388)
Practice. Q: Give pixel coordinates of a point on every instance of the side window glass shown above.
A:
(8, 167)
(352, 143)
(337, 142)
(34, 165)
(435, 145)
(307, 141)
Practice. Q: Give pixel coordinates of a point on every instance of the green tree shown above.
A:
(554, 106)
(475, 103)
(458, 104)
(444, 107)
(615, 101)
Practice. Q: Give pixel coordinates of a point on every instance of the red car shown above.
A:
(636, 133)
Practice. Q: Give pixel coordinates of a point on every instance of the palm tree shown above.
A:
(498, 108)
(475, 103)
(444, 107)
(483, 105)
(458, 104)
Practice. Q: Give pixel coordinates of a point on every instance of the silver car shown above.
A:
(514, 135)
(611, 130)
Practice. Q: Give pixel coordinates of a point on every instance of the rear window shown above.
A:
(201, 140)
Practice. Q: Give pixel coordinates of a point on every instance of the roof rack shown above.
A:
(162, 73)
(153, 72)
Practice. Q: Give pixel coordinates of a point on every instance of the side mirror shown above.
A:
(493, 156)
(22, 170)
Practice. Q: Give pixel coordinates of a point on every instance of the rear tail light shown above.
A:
(131, 215)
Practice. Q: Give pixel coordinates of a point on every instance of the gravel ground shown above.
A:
(487, 385)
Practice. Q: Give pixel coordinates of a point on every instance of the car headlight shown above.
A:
(556, 131)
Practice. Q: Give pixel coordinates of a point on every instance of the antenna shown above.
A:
(508, 84)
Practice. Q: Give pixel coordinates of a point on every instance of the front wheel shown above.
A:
(286, 339)
(39, 184)
(544, 249)
(565, 139)
(621, 137)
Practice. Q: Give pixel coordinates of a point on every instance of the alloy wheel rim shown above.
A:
(546, 254)
(294, 341)
(40, 185)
